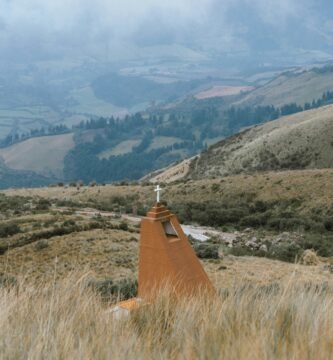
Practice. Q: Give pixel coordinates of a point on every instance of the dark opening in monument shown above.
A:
(169, 230)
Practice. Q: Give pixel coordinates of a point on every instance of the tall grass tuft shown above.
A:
(68, 320)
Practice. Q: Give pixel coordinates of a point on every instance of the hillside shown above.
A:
(114, 149)
(300, 141)
(61, 270)
(16, 178)
(43, 155)
(97, 226)
(77, 248)
(296, 86)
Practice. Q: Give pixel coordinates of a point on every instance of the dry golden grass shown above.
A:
(38, 247)
(67, 321)
(298, 141)
(107, 253)
(313, 187)
(285, 89)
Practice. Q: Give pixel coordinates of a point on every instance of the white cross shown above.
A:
(158, 191)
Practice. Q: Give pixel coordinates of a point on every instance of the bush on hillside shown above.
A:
(43, 204)
(206, 251)
(7, 280)
(288, 252)
(9, 229)
(111, 290)
(328, 223)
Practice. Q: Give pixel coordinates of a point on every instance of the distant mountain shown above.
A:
(108, 149)
(300, 141)
(130, 91)
(298, 86)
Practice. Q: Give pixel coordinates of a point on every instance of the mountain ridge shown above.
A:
(299, 141)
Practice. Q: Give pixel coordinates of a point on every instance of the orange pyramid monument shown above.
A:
(166, 257)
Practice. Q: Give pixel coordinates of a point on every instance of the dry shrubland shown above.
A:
(68, 320)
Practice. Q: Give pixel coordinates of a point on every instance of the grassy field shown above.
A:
(43, 155)
(25, 118)
(123, 148)
(63, 267)
(291, 87)
(221, 91)
(270, 203)
(67, 320)
(313, 187)
(87, 103)
(108, 247)
(163, 141)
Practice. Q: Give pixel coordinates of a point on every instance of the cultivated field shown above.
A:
(43, 155)
(221, 91)
(123, 148)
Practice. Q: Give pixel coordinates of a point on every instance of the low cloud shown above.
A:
(37, 28)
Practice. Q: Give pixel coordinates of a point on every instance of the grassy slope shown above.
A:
(291, 87)
(43, 155)
(299, 87)
(16, 178)
(313, 187)
(273, 309)
(87, 103)
(303, 140)
(109, 252)
(124, 147)
(283, 321)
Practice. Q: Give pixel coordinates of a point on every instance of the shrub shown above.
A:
(123, 226)
(7, 280)
(309, 257)
(9, 229)
(41, 244)
(111, 290)
(322, 244)
(283, 224)
(206, 251)
(43, 204)
(69, 222)
(288, 252)
(328, 223)
(215, 188)
(254, 220)
(240, 251)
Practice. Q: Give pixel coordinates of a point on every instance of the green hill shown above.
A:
(299, 141)
(114, 149)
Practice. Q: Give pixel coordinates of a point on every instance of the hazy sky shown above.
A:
(34, 27)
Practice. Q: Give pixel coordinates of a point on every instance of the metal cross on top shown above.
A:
(158, 191)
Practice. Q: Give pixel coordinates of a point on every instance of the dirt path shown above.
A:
(199, 233)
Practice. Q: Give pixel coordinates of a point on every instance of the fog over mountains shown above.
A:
(70, 60)
(38, 30)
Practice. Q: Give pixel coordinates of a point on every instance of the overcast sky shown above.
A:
(35, 27)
